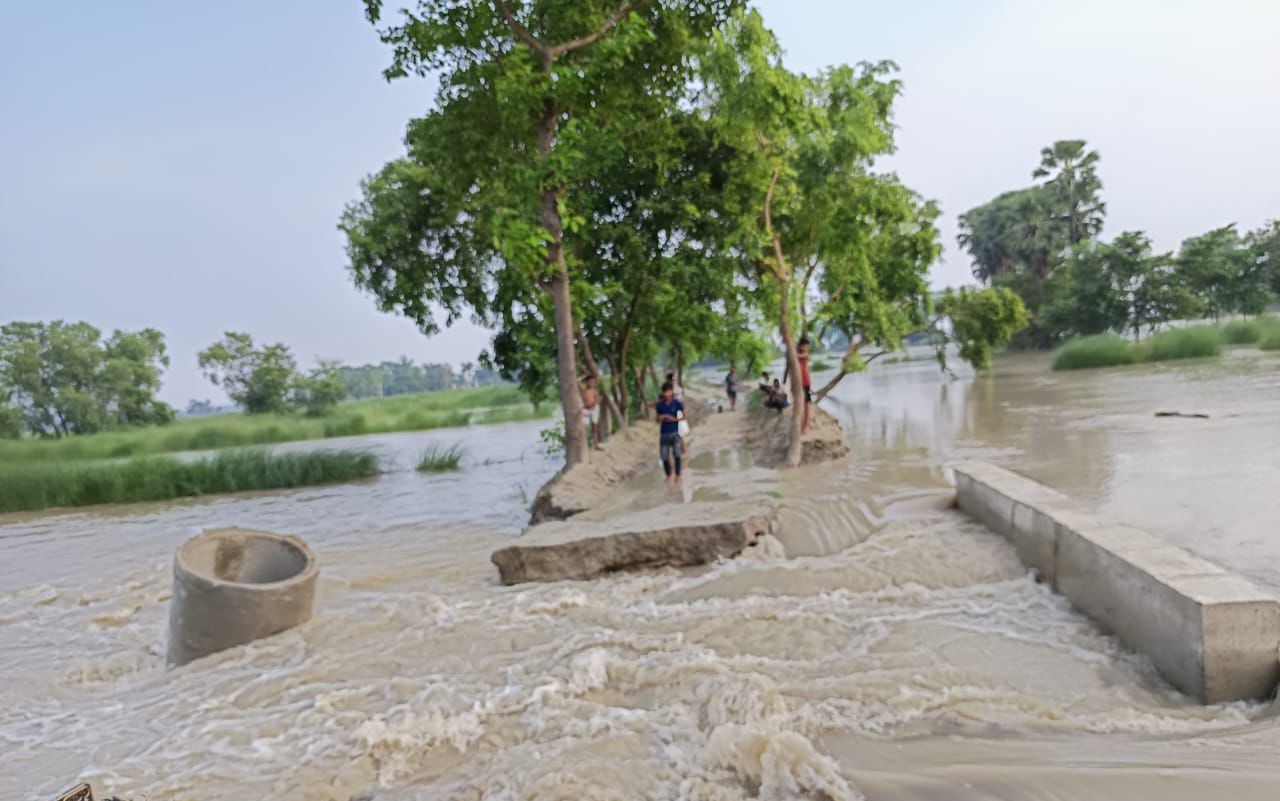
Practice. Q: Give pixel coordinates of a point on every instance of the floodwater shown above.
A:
(888, 648)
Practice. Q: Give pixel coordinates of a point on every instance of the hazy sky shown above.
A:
(182, 165)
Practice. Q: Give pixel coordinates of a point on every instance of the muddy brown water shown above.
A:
(895, 650)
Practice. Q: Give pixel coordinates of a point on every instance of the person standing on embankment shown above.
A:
(591, 410)
(670, 411)
(731, 387)
(802, 354)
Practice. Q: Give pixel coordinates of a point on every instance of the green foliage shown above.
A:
(983, 321)
(449, 409)
(320, 391)
(440, 459)
(1244, 332)
(1192, 342)
(1098, 350)
(553, 438)
(156, 479)
(62, 378)
(258, 379)
(1116, 286)
(1075, 187)
(1271, 340)
(1224, 274)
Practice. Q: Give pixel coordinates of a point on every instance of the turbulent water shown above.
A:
(887, 649)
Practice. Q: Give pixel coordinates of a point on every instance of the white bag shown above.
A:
(683, 427)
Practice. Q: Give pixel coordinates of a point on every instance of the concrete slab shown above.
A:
(1212, 634)
(678, 536)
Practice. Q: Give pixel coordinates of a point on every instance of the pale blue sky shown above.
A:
(182, 165)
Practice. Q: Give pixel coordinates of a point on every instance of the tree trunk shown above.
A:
(618, 384)
(575, 436)
(653, 376)
(679, 363)
(644, 410)
(794, 446)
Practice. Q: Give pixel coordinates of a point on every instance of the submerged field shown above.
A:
(448, 409)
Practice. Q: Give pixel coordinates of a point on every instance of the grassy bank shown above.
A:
(448, 409)
(164, 478)
(1192, 342)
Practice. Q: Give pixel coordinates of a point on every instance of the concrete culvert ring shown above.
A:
(232, 586)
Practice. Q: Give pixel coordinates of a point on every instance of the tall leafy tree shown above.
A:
(257, 378)
(479, 215)
(62, 378)
(803, 147)
(1264, 247)
(1222, 274)
(1072, 171)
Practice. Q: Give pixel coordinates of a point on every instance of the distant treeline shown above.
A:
(404, 377)
(1043, 243)
(58, 379)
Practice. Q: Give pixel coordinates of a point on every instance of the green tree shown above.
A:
(1222, 274)
(982, 322)
(1074, 183)
(63, 379)
(992, 233)
(479, 212)
(259, 379)
(130, 378)
(321, 390)
(1264, 248)
(801, 145)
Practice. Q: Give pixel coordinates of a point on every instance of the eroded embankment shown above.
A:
(579, 531)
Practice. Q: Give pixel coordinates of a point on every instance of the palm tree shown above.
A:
(1073, 177)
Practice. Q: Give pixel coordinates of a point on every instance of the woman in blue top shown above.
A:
(670, 412)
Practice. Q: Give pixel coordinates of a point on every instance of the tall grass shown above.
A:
(1192, 342)
(1271, 341)
(440, 459)
(1107, 350)
(1248, 332)
(449, 409)
(1099, 350)
(164, 478)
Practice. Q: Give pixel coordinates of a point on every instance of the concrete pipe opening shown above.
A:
(232, 586)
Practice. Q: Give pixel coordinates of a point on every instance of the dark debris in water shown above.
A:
(1199, 415)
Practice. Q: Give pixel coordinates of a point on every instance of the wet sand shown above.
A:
(888, 648)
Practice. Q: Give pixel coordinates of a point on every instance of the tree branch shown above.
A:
(522, 33)
(622, 13)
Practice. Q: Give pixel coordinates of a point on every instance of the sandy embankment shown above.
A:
(577, 529)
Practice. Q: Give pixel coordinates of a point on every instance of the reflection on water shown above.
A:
(898, 651)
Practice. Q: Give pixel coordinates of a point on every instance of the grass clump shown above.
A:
(164, 478)
(440, 459)
(1098, 350)
(1193, 342)
(1271, 340)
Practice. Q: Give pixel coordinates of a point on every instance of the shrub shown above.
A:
(1098, 350)
(1242, 332)
(440, 459)
(1194, 342)
(1271, 341)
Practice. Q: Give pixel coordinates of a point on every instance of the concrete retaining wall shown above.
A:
(1212, 634)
